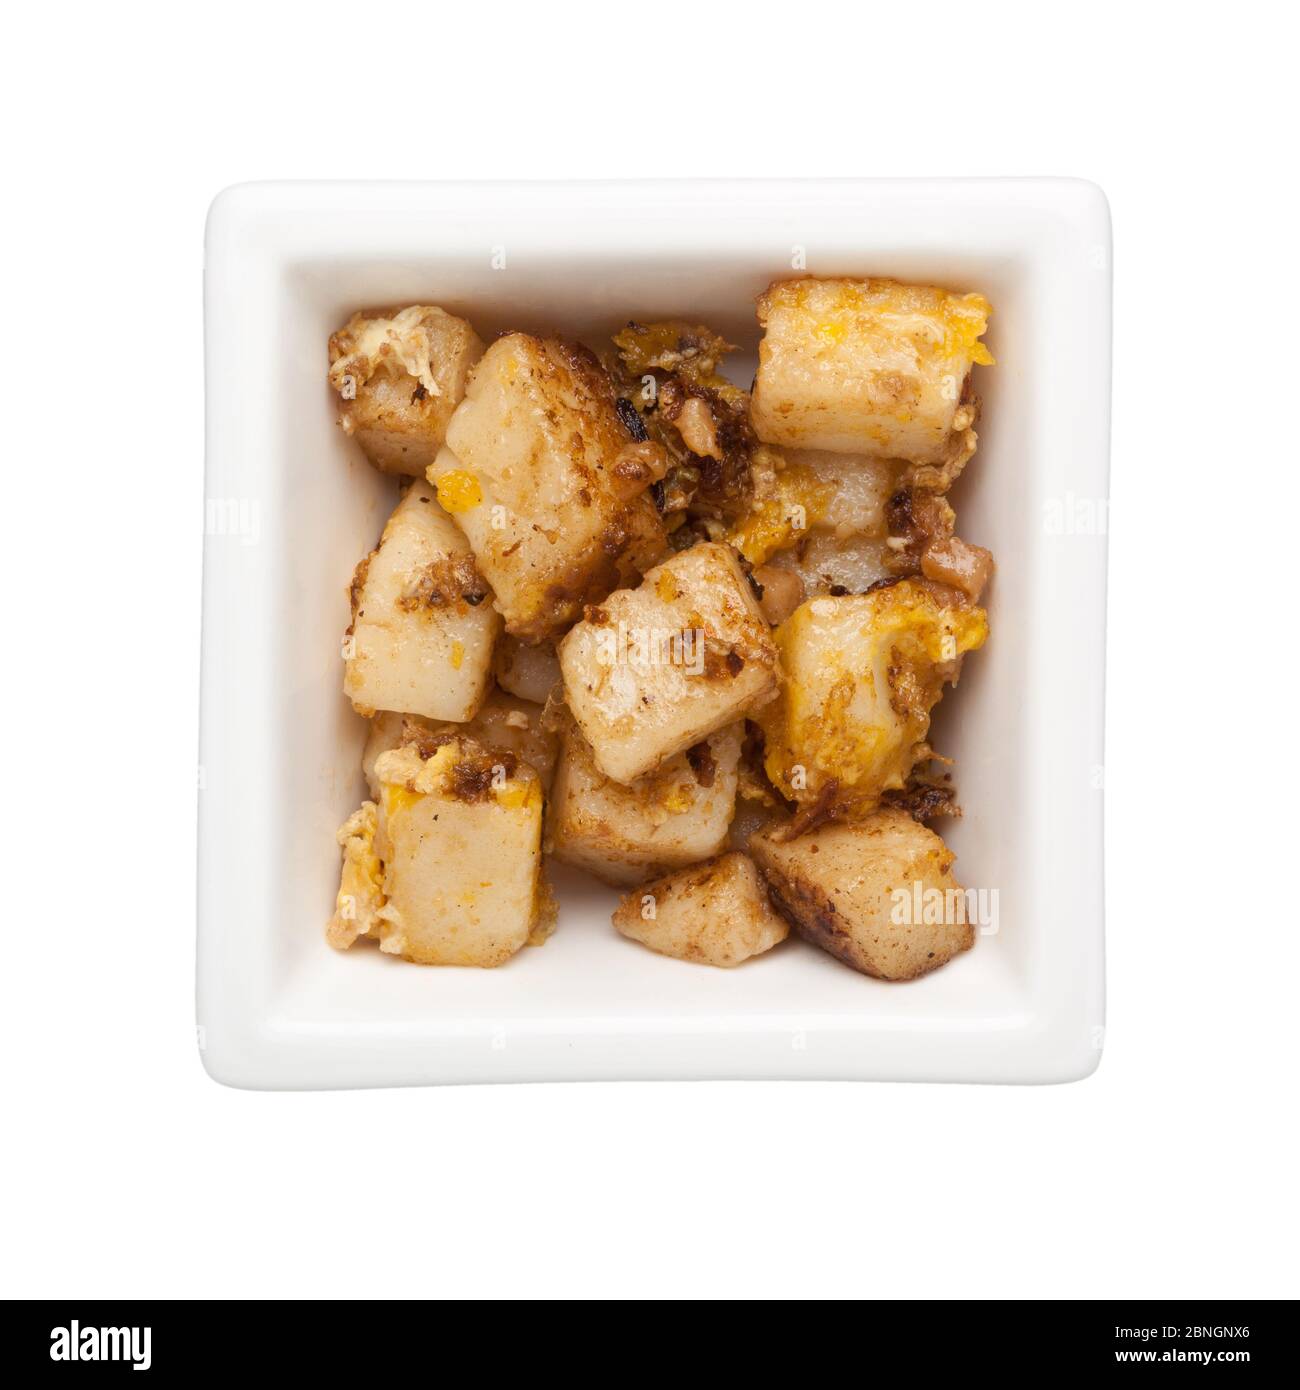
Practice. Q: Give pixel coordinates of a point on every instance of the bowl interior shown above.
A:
(327, 513)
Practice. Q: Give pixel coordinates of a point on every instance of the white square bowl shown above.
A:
(292, 506)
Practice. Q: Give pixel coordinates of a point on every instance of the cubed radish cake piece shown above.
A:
(399, 379)
(862, 674)
(878, 894)
(716, 913)
(653, 670)
(542, 475)
(857, 490)
(623, 834)
(445, 869)
(869, 367)
(422, 618)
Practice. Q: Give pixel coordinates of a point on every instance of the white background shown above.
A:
(125, 1171)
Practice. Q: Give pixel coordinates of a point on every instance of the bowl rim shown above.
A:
(258, 233)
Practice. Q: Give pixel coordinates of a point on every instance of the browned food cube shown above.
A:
(651, 671)
(399, 379)
(422, 618)
(716, 913)
(675, 815)
(548, 485)
(878, 894)
(445, 869)
(869, 367)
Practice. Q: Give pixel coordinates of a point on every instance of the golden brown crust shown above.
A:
(713, 424)
(823, 807)
(357, 587)
(630, 544)
(814, 916)
(923, 801)
(452, 582)
(477, 766)
(698, 418)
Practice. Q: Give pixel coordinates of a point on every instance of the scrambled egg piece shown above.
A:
(692, 351)
(792, 504)
(458, 491)
(360, 897)
(863, 673)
